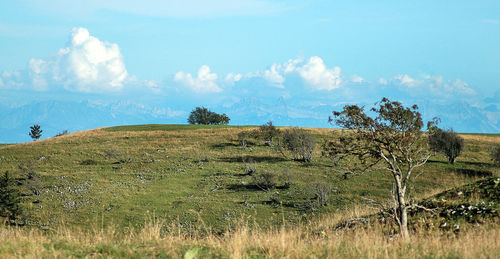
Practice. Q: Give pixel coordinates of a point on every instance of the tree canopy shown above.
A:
(391, 141)
(202, 115)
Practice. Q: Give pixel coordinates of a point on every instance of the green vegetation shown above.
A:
(300, 143)
(9, 198)
(446, 142)
(201, 115)
(165, 190)
(35, 132)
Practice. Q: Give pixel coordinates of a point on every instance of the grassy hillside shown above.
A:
(193, 179)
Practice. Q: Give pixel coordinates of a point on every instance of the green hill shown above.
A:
(192, 174)
(194, 179)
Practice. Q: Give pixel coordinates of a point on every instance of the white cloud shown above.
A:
(11, 80)
(313, 71)
(205, 82)
(317, 75)
(274, 76)
(232, 78)
(86, 65)
(382, 81)
(404, 79)
(432, 85)
(357, 79)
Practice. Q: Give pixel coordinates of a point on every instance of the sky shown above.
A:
(174, 55)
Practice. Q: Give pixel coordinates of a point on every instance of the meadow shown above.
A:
(184, 190)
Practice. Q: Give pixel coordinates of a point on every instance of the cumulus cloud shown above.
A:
(232, 78)
(274, 76)
(313, 71)
(316, 74)
(86, 65)
(205, 82)
(403, 79)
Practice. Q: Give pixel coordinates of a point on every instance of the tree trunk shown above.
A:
(403, 218)
(402, 212)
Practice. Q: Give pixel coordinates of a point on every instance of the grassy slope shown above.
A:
(195, 174)
(192, 178)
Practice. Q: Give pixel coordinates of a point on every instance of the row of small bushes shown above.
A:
(298, 142)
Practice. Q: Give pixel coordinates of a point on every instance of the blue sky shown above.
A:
(176, 54)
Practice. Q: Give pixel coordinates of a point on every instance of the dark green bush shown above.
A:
(9, 197)
(201, 115)
(300, 143)
(446, 142)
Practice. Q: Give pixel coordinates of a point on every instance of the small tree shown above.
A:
(269, 132)
(300, 143)
(446, 142)
(201, 115)
(495, 155)
(35, 132)
(392, 140)
(9, 197)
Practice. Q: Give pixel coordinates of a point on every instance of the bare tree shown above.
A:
(391, 142)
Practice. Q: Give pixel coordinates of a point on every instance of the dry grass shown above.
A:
(493, 139)
(312, 240)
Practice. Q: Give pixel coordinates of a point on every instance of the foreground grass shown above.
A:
(313, 240)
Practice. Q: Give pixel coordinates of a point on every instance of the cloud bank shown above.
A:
(87, 65)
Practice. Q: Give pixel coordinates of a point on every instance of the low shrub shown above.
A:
(264, 180)
(300, 143)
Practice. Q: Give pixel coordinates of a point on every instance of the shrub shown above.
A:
(495, 155)
(31, 179)
(62, 133)
(35, 132)
(264, 180)
(250, 166)
(286, 177)
(300, 143)
(88, 162)
(9, 197)
(245, 138)
(268, 132)
(201, 115)
(322, 193)
(446, 142)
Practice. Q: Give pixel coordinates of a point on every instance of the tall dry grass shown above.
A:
(311, 240)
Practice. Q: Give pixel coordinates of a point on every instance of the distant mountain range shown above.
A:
(56, 116)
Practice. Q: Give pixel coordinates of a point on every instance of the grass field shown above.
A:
(191, 183)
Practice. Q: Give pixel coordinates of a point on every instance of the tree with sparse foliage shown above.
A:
(269, 132)
(202, 115)
(9, 197)
(300, 143)
(35, 132)
(391, 142)
(446, 142)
